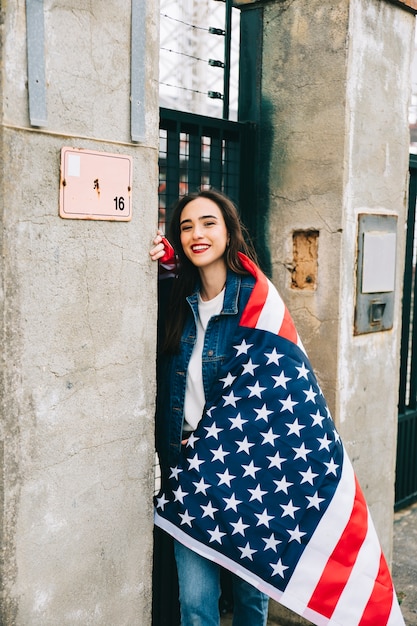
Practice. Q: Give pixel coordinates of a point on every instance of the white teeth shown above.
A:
(200, 247)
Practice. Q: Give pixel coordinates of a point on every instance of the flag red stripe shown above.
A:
(378, 609)
(339, 566)
(288, 330)
(257, 299)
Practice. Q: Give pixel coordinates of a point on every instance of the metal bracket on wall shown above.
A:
(137, 64)
(35, 37)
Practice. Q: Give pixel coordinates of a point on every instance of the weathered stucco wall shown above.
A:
(335, 88)
(78, 341)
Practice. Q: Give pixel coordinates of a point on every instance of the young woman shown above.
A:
(255, 476)
(209, 295)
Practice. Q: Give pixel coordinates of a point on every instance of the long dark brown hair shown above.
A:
(188, 276)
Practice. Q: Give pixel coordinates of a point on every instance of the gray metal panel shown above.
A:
(374, 312)
(137, 88)
(35, 37)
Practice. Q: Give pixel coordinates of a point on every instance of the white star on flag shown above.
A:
(243, 347)
(288, 404)
(228, 380)
(271, 543)
(273, 357)
(256, 390)
(231, 399)
(278, 568)
(302, 372)
(247, 552)
(281, 381)
(186, 518)
(239, 527)
(208, 510)
(216, 535)
(249, 368)
(213, 431)
(237, 422)
(244, 445)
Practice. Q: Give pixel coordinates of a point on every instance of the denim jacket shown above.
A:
(172, 369)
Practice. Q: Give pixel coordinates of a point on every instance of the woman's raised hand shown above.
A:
(161, 248)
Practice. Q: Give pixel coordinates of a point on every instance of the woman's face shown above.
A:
(203, 233)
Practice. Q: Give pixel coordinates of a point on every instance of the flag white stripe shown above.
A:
(273, 311)
(324, 540)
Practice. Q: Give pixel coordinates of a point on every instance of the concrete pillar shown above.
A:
(78, 334)
(334, 144)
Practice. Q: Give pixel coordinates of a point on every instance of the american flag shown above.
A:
(264, 486)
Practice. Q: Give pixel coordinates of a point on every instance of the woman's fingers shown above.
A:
(158, 249)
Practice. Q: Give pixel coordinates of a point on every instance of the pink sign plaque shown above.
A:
(95, 185)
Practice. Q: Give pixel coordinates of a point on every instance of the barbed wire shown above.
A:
(174, 19)
(184, 54)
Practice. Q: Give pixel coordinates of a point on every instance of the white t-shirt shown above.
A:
(194, 392)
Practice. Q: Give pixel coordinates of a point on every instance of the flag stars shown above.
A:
(255, 390)
(288, 404)
(264, 518)
(231, 399)
(281, 380)
(219, 454)
(324, 443)
(243, 347)
(269, 437)
(278, 568)
(295, 428)
(282, 485)
(179, 495)
(232, 503)
(317, 419)
(175, 471)
(301, 452)
(314, 501)
(310, 395)
(275, 461)
(201, 487)
(228, 380)
(186, 518)
(239, 527)
(213, 431)
(250, 470)
(249, 368)
(273, 357)
(161, 502)
(237, 422)
(192, 439)
(302, 372)
(216, 535)
(289, 509)
(257, 493)
(244, 446)
(296, 534)
(308, 476)
(263, 413)
(331, 467)
(225, 478)
(208, 510)
(247, 552)
(271, 543)
(195, 463)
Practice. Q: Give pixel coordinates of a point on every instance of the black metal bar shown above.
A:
(227, 49)
(407, 287)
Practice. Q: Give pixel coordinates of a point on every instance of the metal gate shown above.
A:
(201, 152)
(406, 469)
(197, 152)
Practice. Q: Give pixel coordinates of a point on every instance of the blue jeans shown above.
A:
(199, 585)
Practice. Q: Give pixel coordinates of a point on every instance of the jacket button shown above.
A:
(210, 353)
